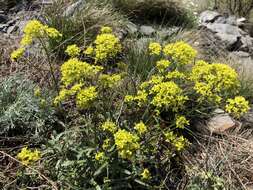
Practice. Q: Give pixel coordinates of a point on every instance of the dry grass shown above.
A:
(230, 157)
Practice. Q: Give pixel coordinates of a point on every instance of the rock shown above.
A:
(208, 16)
(241, 21)
(231, 41)
(12, 29)
(132, 28)
(77, 6)
(147, 30)
(224, 29)
(168, 32)
(3, 18)
(218, 124)
(231, 20)
(240, 54)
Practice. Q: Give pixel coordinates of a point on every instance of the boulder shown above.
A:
(209, 16)
(75, 7)
(3, 18)
(147, 30)
(218, 124)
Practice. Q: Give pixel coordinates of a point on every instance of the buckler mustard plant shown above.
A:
(137, 131)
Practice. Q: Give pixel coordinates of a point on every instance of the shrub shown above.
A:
(23, 113)
(131, 134)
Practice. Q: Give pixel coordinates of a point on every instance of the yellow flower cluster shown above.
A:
(74, 71)
(155, 48)
(109, 81)
(168, 95)
(73, 50)
(181, 122)
(140, 127)
(85, 97)
(175, 75)
(178, 142)
(126, 143)
(145, 175)
(34, 29)
(107, 45)
(237, 106)
(28, 157)
(140, 98)
(213, 79)
(162, 65)
(109, 126)
(16, 54)
(180, 52)
(100, 156)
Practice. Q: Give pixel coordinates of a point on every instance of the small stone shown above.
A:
(77, 6)
(147, 30)
(218, 124)
(132, 28)
(208, 16)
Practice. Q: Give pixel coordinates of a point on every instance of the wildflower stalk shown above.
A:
(50, 65)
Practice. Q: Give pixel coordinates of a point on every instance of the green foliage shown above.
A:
(22, 113)
(206, 181)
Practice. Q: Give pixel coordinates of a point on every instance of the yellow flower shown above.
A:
(181, 122)
(66, 93)
(106, 144)
(126, 143)
(155, 48)
(34, 28)
(213, 79)
(140, 98)
(107, 46)
(28, 157)
(110, 81)
(37, 92)
(145, 175)
(89, 50)
(169, 95)
(162, 65)
(175, 75)
(178, 142)
(17, 54)
(74, 70)
(237, 106)
(109, 126)
(73, 50)
(85, 97)
(26, 40)
(106, 29)
(52, 33)
(100, 156)
(180, 52)
(140, 127)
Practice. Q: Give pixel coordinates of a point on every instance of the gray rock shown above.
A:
(147, 30)
(240, 54)
(218, 124)
(230, 41)
(241, 21)
(12, 29)
(132, 28)
(75, 7)
(224, 29)
(208, 16)
(231, 20)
